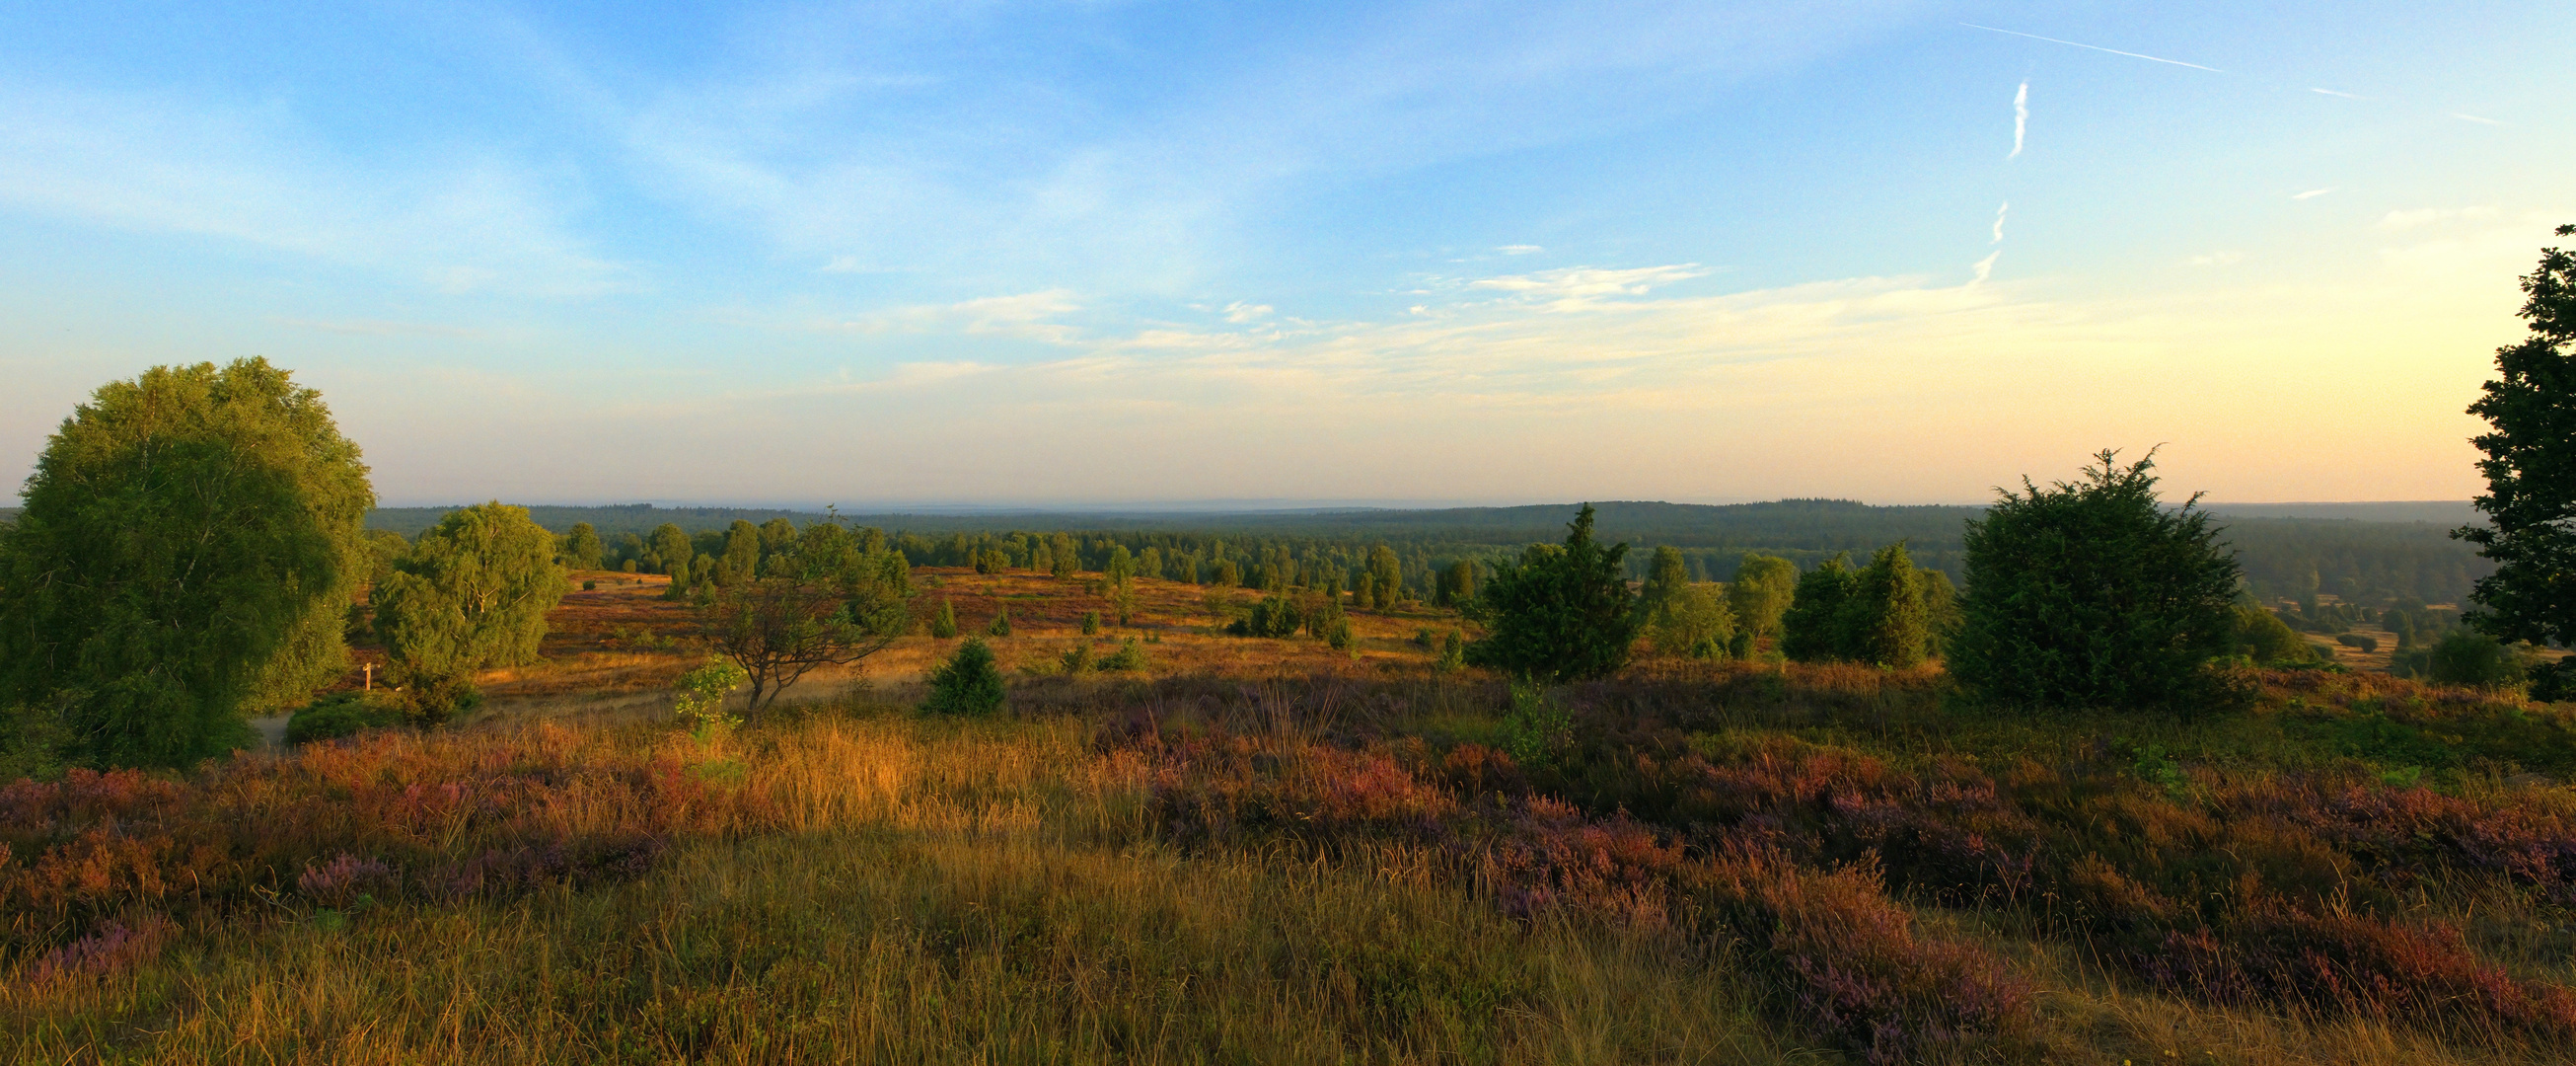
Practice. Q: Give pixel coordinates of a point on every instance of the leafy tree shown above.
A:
(473, 593)
(1679, 617)
(668, 550)
(2263, 638)
(944, 624)
(698, 697)
(2093, 594)
(580, 548)
(1457, 584)
(1090, 623)
(777, 537)
(1940, 610)
(836, 600)
(1812, 630)
(1761, 593)
(2466, 656)
(2530, 467)
(1386, 575)
(1885, 620)
(741, 557)
(189, 545)
(1562, 613)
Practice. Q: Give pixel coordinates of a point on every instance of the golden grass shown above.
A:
(943, 892)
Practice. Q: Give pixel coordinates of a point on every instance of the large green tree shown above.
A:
(1811, 630)
(581, 549)
(2094, 594)
(190, 544)
(1761, 592)
(1886, 621)
(1562, 612)
(472, 594)
(2530, 467)
(1678, 616)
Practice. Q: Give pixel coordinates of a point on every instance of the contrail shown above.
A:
(1999, 222)
(2095, 47)
(2021, 116)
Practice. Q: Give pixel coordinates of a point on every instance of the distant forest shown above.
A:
(2391, 553)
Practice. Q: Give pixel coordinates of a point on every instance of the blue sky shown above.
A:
(1076, 253)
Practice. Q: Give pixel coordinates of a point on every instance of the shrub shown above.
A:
(2093, 594)
(698, 696)
(944, 624)
(1001, 625)
(969, 683)
(2468, 657)
(1340, 635)
(341, 714)
(1274, 616)
(1129, 656)
(1453, 653)
(2356, 641)
(1562, 613)
(1811, 629)
(1090, 623)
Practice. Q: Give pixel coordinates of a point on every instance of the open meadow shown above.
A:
(1264, 849)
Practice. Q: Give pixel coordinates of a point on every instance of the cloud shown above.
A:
(1241, 312)
(1520, 249)
(2094, 47)
(2341, 93)
(453, 218)
(2021, 117)
(1030, 315)
(1999, 222)
(1985, 267)
(2314, 193)
(1574, 287)
(842, 264)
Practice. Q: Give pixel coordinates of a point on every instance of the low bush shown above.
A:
(969, 683)
(341, 714)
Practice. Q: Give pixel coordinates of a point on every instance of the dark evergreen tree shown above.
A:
(2530, 467)
(1885, 620)
(970, 682)
(944, 624)
(1812, 630)
(1562, 612)
(2093, 594)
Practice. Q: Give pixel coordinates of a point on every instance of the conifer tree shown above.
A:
(2530, 467)
(1563, 612)
(944, 624)
(1812, 629)
(1885, 619)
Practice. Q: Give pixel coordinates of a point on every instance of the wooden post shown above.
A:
(369, 671)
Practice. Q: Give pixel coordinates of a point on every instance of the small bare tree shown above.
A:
(828, 602)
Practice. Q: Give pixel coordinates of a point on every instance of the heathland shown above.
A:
(1267, 848)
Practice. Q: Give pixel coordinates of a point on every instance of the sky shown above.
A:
(1090, 253)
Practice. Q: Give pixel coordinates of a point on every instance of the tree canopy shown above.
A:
(2093, 594)
(2530, 467)
(473, 593)
(830, 599)
(190, 542)
(1562, 612)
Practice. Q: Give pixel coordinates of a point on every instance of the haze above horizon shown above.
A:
(1890, 251)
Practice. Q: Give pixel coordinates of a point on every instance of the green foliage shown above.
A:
(1457, 584)
(1761, 593)
(1077, 658)
(2530, 467)
(1386, 577)
(1812, 628)
(1682, 618)
(1537, 730)
(2469, 657)
(341, 714)
(944, 624)
(1453, 653)
(1885, 619)
(2094, 595)
(1001, 624)
(698, 697)
(1129, 656)
(2263, 638)
(579, 548)
(667, 550)
(969, 683)
(190, 543)
(835, 599)
(1339, 634)
(1562, 613)
(1090, 623)
(1273, 616)
(473, 594)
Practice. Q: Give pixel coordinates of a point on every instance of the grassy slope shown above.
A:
(1212, 864)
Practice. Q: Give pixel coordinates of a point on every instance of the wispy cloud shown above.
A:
(454, 219)
(2094, 47)
(1985, 267)
(2312, 194)
(1031, 316)
(1240, 312)
(1573, 287)
(2021, 117)
(1999, 222)
(2341, 93)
